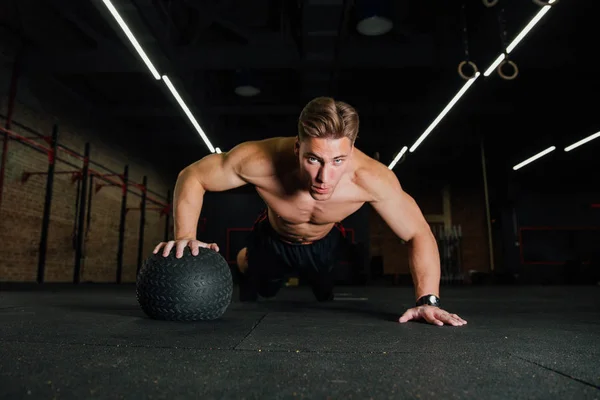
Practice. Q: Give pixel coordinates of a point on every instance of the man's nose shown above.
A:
(322, 176)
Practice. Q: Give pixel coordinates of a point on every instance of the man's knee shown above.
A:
(242, 260)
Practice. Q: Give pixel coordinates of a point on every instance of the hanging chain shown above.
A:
(465, 32)
(504, 41)
(502, 26)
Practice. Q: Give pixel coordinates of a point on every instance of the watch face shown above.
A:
(429, 300)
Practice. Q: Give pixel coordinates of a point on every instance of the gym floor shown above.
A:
(93, 341)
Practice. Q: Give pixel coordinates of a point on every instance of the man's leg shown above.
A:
(317, 269)
(257, 263)
(242, 260)
(322, 284)
(324, 256)
(259, 274)
(247, 285)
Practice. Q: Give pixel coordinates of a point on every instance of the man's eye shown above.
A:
(338, 161)
(312, 159)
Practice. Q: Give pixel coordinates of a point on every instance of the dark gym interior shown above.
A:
(104, 102)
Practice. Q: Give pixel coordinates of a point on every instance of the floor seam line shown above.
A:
(557, 372)
(251, 330)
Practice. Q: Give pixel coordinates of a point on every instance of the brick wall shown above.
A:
(465, 207)
(22, 205)
(468, 211)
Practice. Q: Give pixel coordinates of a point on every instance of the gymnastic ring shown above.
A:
(503, 75)
(543, 3)
(462, 74)
(490, 3)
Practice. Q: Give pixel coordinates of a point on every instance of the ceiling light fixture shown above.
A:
(372, 16)
(131, 38)
(470, 82)
(247, 91)
(519, 37)
(398, 157)
(246, 83)
(374, 26)
(582, 141)
(532, 159)
(445, 111)
(187, 112)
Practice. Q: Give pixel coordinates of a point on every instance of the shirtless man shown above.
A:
(309, 183)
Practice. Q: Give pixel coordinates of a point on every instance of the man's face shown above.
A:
(322, 164)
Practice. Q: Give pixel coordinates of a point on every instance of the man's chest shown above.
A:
(302, 208)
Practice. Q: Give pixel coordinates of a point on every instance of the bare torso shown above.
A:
(292, 212)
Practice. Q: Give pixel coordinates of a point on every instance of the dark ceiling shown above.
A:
(296, 50)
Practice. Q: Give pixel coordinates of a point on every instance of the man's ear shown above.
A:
(297, 147)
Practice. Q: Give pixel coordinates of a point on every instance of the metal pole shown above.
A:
(142, 224)
(47, 206)
(168, 217)
(11, 107)
(81, 219)
(76, 216)
(122, 224)
(89, 204)
(88, 218)
(487, 207)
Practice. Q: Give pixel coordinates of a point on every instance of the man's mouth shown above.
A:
(320, 190)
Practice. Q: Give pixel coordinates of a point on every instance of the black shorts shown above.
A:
(272, 260)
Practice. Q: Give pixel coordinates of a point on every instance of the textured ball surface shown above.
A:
(191, 288)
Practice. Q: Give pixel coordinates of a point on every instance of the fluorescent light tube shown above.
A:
(218, 150)
(519, 37)
(529, 27)
(458, 95)
(582, 141)
(494, 65)
(532, 159)
(132, 38)
(398, 157)
(187, 112)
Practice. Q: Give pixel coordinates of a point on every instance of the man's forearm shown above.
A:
(187, 204)
(424, 262)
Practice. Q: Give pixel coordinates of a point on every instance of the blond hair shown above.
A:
(326, 118)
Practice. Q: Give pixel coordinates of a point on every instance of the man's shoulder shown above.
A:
(372, 175)
(368, 168)
(258, 158)
(256, 149)
(266, 147)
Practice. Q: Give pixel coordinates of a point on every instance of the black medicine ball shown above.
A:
(191, 288)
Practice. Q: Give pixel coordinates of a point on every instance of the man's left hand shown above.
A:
(433, 315)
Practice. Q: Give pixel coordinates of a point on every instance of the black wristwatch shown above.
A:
(430, 300)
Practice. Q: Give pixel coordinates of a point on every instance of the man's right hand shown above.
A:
(181, 244)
